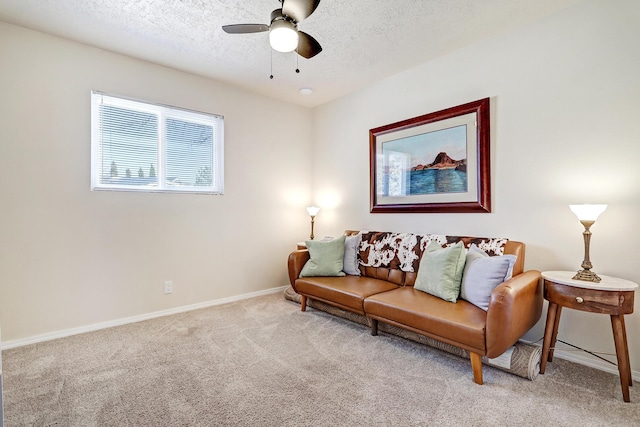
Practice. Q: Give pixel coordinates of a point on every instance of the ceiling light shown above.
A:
(283, 36)
(305, 91)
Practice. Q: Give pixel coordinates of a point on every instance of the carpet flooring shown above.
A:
(262, 362)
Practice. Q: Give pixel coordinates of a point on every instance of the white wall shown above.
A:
(565, 100)
(70, 257)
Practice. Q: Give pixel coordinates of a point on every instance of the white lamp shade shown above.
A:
(588, 212)
(283, 36)
(313, 211)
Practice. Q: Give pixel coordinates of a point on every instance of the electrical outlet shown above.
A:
(168, 287)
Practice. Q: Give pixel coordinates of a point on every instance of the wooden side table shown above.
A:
(610, 296)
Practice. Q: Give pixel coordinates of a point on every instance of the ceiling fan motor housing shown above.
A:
(277, 15)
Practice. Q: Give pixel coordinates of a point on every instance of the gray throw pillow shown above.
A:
(482, 274)
(350, 261)
(440, 271)
(325, 258)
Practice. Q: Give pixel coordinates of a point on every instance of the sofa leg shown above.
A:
(374, 327)
(476, 366)
(303, 303)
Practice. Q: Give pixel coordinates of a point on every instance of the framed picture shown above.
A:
(438, 162)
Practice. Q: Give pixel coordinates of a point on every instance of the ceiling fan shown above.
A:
(284, 35)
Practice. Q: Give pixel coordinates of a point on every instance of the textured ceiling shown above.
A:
(363, 40)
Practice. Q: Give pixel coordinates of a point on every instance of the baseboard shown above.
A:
(103, 325)
(579, 358)
(587, 361)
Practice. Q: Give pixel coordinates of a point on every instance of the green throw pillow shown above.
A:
(325, 258)
(440, 271)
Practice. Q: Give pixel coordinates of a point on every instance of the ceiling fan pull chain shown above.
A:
(297, 62)
(271, 76)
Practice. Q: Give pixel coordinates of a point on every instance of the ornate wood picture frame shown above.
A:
(438, 162)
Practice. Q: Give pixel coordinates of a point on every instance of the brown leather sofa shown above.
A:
(387, 295)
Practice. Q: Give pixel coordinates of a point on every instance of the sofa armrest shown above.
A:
(297, 260)
(515, 307)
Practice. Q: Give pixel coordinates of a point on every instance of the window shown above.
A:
(137, 146)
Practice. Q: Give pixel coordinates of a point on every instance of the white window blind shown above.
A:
(138, 146)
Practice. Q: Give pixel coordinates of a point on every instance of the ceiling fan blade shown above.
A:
(307, 45)
(299, 9)
(245, 28)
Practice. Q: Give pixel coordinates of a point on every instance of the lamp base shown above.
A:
(586, 275)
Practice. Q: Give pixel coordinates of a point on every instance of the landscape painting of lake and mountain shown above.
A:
(428, 163)
(437, 162)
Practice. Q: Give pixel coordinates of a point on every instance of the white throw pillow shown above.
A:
(351, 248)
(482, 274)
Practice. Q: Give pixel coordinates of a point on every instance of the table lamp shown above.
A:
(313, 211)
(587, 214)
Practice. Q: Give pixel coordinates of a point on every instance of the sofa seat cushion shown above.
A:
(347, 292)
(461, 324)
